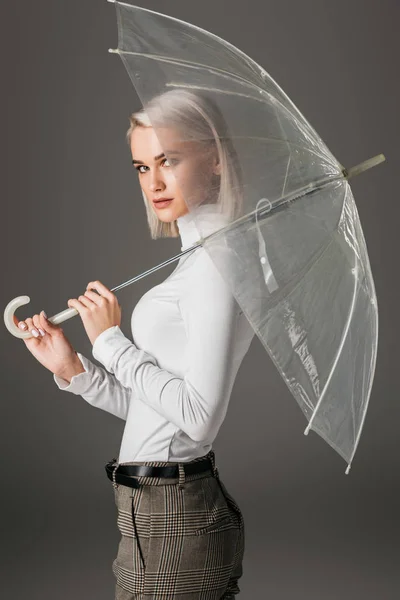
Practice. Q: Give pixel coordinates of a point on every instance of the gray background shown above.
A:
(72, 213)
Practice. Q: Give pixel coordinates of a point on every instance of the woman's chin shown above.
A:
(167, 218)
(168, 215)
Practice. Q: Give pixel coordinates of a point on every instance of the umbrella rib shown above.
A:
(287, 172)
(301, 125)
(198, 66)
(258, 69)
(282, 141)
(230, 76)
(233, 93)
(250, 62)
(225, 43)
(338, 354)
(368, 399)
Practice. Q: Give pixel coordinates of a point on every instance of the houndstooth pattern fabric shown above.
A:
(181, 538)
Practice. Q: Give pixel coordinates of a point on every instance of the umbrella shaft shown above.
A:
(153, 269)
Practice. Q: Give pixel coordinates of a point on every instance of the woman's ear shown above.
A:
(217, 167)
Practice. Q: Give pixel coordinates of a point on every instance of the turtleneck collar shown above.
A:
(209, 219)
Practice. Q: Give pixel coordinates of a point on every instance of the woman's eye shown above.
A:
(171, 162)
(165, 162)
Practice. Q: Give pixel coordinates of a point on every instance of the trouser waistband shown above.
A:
(125, 474)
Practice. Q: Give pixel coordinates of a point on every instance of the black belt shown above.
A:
(124, 474)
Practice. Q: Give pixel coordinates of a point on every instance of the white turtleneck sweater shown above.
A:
(173, 383)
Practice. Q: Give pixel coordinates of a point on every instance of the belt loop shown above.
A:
(214, 468)
(181, 483)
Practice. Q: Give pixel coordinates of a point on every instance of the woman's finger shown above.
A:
(31, 327)
(74, 303)
(93, 297)
(47, 325)
(102, 289)
(20, 324)
(86, 301)
(38, 325)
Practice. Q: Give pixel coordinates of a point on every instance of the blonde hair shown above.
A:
(198, 118)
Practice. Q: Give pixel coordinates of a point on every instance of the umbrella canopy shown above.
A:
(289, 240)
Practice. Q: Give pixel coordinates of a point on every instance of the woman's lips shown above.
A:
(162, 203)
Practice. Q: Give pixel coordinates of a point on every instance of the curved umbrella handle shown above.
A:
(20, 301)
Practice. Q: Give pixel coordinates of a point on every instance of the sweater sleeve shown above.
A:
(196, 403)
(99, 388)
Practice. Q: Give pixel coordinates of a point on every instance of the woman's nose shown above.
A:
(156, 182)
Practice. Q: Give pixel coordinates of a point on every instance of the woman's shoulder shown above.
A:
(207, 271)
(203, 262)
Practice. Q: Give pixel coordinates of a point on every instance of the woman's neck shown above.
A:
(200, 222)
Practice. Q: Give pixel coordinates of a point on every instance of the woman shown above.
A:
(182, 533)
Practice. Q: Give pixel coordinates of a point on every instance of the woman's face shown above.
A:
(193, 166)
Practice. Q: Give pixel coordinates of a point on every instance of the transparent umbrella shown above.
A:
(284, 230)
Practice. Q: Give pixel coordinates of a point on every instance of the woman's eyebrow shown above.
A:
(162, 155)
(140, 162)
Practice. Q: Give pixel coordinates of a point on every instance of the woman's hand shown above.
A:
(53, 350)
(98, 312)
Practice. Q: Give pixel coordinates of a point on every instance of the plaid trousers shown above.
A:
(180, 537)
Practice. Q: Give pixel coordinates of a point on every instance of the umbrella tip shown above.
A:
(113, 1)
(348, 468)
(367, 164)
(113, 51)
